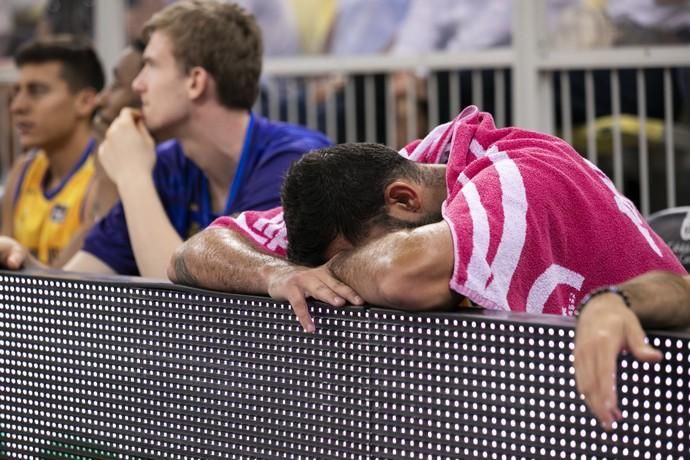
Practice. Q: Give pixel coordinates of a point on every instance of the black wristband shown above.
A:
(599, 291)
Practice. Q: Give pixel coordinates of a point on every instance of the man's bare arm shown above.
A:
(223, 260)
(7, 221)
(607, 326)
(661, 300)
(220, 259)
(408, 269)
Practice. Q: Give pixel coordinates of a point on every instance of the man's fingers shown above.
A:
(343, 291)
(586, 378)
(14, 261)
(296, 284)
(13, 255)
(320, 291)
(604, 402)
(595, 378)
(299, 306)
(584, 372)
(638, 346)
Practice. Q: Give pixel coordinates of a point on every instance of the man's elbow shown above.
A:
(416, 277)
(172, 276)
(407, 292)
(178, 268)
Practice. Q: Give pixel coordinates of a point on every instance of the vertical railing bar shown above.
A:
(350, 117)
(617, 142)
(312, 117)
(589, 111)
(668, 135)
(369, 109)
(411, 109)
(566, 107)
(273, 95)
(292, 93)
(454, 93)
(642, 143)
(391, 113)
(331, 116)
(500, 97)
(478, 89)
(432, 97)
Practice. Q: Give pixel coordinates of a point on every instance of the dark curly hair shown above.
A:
(339, 190)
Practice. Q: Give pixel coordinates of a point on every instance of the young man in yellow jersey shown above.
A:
(53, 103)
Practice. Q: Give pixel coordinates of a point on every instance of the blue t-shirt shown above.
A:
(182, 187)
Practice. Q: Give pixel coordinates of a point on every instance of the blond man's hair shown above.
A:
(221, 38)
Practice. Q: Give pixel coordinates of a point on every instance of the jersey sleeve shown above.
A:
(265, 229)
(108, 240)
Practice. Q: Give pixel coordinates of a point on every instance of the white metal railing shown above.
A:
(651, 180)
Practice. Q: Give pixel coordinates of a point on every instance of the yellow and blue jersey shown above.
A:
(44, 221)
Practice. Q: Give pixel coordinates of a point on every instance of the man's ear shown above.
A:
(86, 102)
(403, 196)
(198, 82)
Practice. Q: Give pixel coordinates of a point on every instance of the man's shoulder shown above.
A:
(276, 135)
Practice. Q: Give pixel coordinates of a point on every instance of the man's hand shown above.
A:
(128, 148)
(12, 254)
(295, 284)
(606, 328)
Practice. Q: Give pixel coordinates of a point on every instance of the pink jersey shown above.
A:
(266, 229)
(534, 225)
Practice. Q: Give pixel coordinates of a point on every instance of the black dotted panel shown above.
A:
(452, 386)
(110, 369)
(92, 368)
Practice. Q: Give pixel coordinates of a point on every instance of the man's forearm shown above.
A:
(363, 269)
(220, 259)
(660, 299)
(408, 269)
(152, 236)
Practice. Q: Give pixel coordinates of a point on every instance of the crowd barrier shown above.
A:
(121, 368)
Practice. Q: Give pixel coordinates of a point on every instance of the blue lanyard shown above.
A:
(239, 172)
(206, 211)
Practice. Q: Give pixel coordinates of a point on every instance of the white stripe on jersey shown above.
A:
(514, 232)
(546, 283)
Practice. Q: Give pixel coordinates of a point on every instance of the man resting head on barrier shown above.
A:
(517, 221)
(199, 81)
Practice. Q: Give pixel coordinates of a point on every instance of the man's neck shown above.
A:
(435, 191)
(213, 139)
(65, 154)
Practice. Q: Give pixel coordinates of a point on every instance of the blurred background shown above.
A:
(612, 77)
